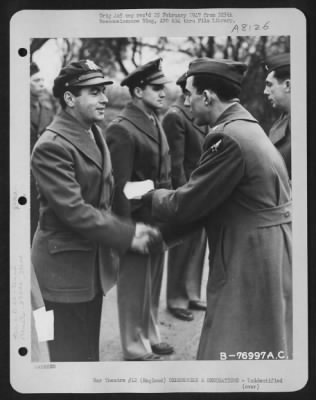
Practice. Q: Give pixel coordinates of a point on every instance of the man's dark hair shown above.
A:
(75, 90)
(132, 87)
(225, 89)
(283, 73)
(182, 86)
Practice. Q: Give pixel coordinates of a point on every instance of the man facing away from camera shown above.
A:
(278, 92)
(77, 242)
(240, 192)
(186, 260)
(139, 151)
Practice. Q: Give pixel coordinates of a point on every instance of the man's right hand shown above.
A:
(144, 238)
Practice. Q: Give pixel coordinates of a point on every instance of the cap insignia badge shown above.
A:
(91, 65)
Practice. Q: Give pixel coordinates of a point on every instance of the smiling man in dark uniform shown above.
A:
(139, 151)
(240, 191)
(76, 245)
(278, 91)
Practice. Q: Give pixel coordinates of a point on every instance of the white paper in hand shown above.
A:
(135, 190)
(44, 324)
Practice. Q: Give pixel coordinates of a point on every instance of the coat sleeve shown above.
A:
(53, 169)
(122, 148)
(174, 127)
(220, 169)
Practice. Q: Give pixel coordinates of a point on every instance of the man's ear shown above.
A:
(287, 84)
(207, 96)
(69, 99)
(138, 92)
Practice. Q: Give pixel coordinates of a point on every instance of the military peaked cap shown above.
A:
(230, 70)
(277, 61)
(81, 73)
(150, 73)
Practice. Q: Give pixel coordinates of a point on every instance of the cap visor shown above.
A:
(94, 82)
(159, 81)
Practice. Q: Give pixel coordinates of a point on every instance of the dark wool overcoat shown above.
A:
(280, 135)
(139, 151)
(185, 140)
(74, 248)
(241, 191)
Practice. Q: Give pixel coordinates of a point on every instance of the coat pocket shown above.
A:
(59, 245)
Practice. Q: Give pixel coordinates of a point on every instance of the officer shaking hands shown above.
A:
(240, 192)
(76, 245)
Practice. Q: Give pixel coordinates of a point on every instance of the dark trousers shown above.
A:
(76, 330)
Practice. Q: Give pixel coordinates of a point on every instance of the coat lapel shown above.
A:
(279, 128)
(136, 117)
(163, 140)
(233, 113)
(106, 164)
(70, 129)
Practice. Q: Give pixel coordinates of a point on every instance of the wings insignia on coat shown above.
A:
(215, 147)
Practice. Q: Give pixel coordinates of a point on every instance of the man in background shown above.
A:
(42, 114)
(42, 109)
(278, 91)
(185, 261)
(139, 151)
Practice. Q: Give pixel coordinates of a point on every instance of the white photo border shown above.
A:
(171, 376)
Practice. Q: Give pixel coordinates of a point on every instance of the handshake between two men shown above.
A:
(147, 239)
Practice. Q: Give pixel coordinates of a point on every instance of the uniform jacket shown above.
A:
(185, 140)
(280, 135)
(241, 192)
(74, 248)
(139, 151)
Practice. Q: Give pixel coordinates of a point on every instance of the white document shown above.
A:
(135, 190)
(44, 324)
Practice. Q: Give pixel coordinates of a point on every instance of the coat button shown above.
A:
(287, 214)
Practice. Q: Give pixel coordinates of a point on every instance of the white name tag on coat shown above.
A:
(135, 190)
(44, 324)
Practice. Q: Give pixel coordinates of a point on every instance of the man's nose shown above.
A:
(104, 98)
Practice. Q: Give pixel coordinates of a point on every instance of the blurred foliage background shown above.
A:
(120, 56)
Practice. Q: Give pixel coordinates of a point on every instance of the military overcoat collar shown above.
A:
(71, 130)
(234, 112)
(136, 116)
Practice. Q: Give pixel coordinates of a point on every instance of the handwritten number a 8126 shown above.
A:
(250, 27)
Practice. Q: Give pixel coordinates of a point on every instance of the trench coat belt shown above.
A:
(261, 218)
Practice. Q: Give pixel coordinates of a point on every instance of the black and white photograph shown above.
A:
(158, 201)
